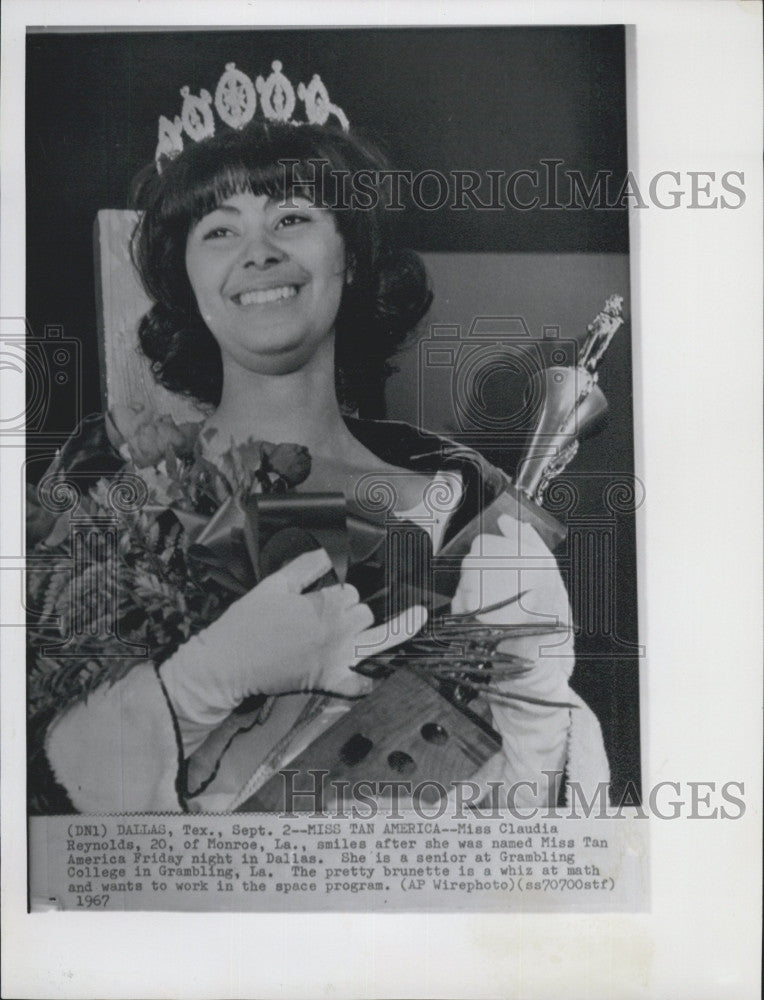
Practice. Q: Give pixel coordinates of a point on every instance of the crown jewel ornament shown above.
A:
(235, 98)
(276, 95)
(236, 104)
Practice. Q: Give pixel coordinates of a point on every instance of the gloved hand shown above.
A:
(516, 561)
(277, 640)
(534, 736)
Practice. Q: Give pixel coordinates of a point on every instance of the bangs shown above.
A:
(267, 161)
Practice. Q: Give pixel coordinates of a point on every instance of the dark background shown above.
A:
(445, 99)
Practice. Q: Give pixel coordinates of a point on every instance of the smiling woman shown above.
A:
(278, 305)
(268, 281)
(262, 183)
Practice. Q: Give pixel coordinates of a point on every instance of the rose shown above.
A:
(143, 438)
(290, 461)
(146, 440)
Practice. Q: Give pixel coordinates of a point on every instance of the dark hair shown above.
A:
(389, 293)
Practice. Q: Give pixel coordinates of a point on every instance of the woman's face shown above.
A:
(268, 279)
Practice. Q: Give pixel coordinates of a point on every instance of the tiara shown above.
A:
(236, 103)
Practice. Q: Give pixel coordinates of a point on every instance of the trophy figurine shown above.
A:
(571, 403)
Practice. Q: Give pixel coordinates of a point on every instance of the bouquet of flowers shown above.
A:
(146, 581)
(168, 565)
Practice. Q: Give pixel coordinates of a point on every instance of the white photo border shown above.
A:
(696, 287)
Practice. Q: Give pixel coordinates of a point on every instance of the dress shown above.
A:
(122, 749)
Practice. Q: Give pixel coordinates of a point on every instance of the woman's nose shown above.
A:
(261, 252)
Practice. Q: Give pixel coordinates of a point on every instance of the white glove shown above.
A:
(517, 561)
(534, 736)
(278, 640)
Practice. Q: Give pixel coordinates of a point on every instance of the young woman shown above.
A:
(278, 302)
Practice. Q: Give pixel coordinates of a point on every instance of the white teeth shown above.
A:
(267, 295)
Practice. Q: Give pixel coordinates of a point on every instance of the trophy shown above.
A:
(572, 403)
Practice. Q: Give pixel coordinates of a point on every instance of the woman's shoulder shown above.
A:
(85, 457)
(483, 483)
(406, 445)
(103, 443)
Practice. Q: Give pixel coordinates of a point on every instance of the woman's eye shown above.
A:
(293, 219)
(219, 232)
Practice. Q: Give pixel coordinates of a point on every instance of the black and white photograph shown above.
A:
(200, 517)
(339, 380)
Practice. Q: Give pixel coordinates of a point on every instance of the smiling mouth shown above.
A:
(265, 295)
